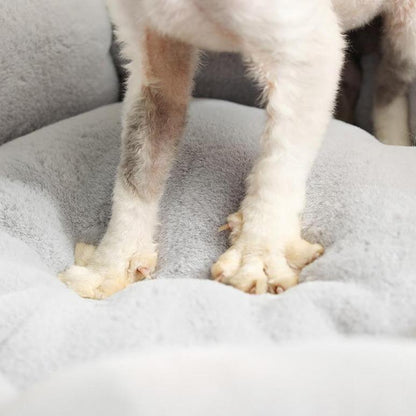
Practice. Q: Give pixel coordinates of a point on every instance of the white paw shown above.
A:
(259, 266)
(91, 280)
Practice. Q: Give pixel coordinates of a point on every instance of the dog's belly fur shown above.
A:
(205, 24)
(356, 13)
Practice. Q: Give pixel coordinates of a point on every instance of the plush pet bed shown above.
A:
(55, 187)
(358, 378)
(55, 190)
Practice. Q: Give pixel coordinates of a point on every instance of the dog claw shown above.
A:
(219, 278)
(224, 227)
(276, 290)
(144, 271)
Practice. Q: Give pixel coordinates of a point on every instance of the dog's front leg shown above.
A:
(157, 98)
(299, 67)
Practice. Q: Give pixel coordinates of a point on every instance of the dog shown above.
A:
(295, 51)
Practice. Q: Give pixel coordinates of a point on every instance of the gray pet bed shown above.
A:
(55, 189)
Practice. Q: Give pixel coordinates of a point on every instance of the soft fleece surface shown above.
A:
(354, 378)
(55, 187)
(55, 62)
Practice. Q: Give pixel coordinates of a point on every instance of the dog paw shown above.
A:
(90, 279)
(258, 265)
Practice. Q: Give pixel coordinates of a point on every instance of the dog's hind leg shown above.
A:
(155, 111)
(397, 70)
(298, 58)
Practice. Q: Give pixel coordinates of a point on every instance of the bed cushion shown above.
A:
(358, 377)
(55, 190)
(55, 62)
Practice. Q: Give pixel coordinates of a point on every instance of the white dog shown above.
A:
(295, 50)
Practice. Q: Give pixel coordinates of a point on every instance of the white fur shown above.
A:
(295, 49)
(355, 13)
(126, 247)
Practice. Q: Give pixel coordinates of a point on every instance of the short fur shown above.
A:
(295, 50)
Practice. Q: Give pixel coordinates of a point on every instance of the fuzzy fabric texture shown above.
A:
(55, 62)
(55, 190)
(343, 378)
(224, 76)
